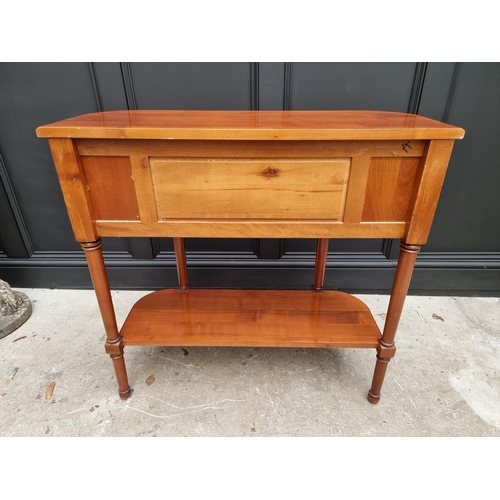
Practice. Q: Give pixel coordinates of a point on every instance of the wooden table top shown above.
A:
(251, 125)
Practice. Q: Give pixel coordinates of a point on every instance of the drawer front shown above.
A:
(250, 189)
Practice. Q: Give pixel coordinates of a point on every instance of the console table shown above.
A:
(258, 174)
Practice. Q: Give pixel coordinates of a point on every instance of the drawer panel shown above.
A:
(250, 189)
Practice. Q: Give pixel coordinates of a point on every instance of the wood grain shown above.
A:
(260, 318)
(97, 268)
(74, 188)
(247, 149)
(358, 178)
(111, 187)
(304, 174)
(406, 263)
(223, 189)
(144, 188)
(428, 184)
(320, 264)
(180, 260)
(386, 349)
(203, 228)
(114, 345)
(251, 125)
(389, 189)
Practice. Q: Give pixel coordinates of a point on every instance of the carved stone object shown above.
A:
(15, 309)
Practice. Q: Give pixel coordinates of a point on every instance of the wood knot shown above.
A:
(270, 172)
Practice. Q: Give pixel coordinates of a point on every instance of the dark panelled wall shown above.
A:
(36, 242)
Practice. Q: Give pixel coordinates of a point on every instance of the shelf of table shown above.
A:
(251, 318)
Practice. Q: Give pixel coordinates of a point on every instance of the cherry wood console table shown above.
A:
(258, 174)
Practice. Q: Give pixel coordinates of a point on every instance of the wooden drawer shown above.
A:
(250, 189)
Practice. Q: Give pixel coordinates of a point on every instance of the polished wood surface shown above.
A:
(180, 259)
(248, 149)
(258, 318)
(73, 183)
(251, 125)
(114, 343)
(428, 183)
(251, 189)
(357, 193)
(342, 189)
(106, 176)
(201, 228)
(307, 174)
(389, 189)
(320, 264)
(386, 348)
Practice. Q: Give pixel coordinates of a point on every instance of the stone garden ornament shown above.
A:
(15, 309)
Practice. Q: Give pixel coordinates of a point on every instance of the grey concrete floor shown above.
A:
(444, 380)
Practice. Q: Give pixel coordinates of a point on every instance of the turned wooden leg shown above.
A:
(180, 259)
(114, 342)
(320, 265)
(386, 349)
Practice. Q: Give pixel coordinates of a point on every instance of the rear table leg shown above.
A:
(180, 259)
(320, 265)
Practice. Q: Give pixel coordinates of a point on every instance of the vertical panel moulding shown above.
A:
(95, 86)
(128, 85)
(451, 93)
(254, 85)
(143, 182)
(17, 242)
(287, 87)
(417, 87)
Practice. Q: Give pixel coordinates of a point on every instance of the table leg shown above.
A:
(320, 265)
(386, 349)
(114, 342)
(180, 259)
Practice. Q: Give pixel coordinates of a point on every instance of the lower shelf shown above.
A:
(253, 318)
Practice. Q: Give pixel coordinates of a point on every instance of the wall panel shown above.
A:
(36, 241)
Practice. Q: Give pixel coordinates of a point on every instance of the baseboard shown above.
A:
(354, 274)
